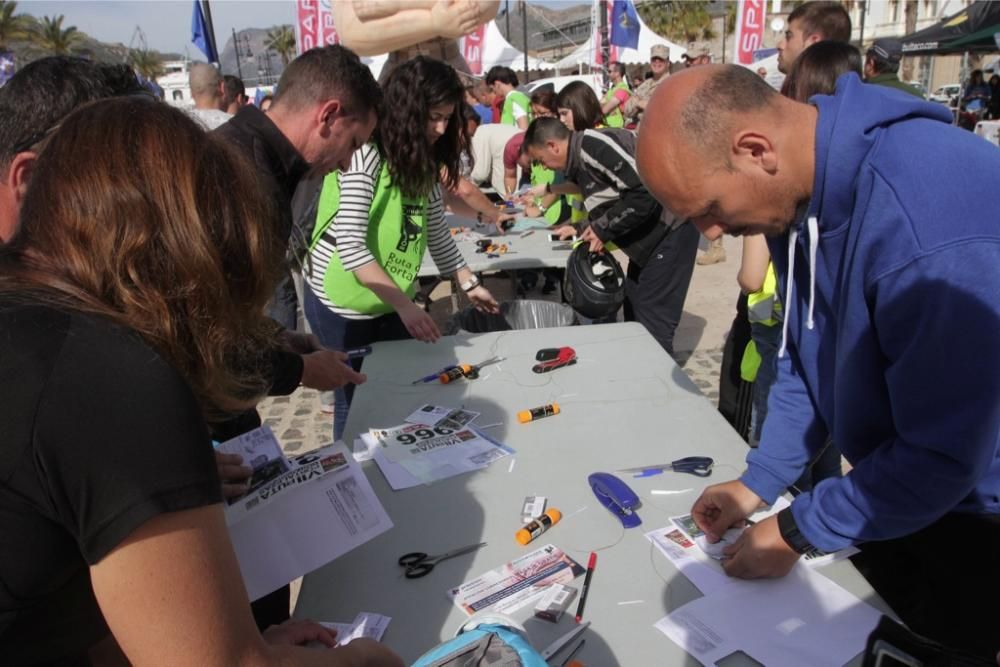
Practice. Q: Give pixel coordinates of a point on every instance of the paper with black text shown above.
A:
(319, 510)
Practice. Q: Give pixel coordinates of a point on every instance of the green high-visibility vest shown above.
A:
(577, 212)
(764, 308)
(763, 305)
(615, 118)
(397, 237)
(540, 176)
(507, 113)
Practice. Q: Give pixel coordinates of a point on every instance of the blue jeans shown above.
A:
(283, 306)
(340, 333)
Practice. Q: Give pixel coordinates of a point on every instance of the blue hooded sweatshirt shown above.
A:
(892, 315)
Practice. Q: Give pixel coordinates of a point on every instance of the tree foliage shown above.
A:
(681, 21)
(13, 27)
(55, 39)
(147, 63)
(281, 39)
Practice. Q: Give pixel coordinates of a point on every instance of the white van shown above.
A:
(560, 82)
(946, 94)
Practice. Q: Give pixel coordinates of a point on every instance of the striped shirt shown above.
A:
(349, 231)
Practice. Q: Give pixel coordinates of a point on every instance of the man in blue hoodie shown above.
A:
(882, 222)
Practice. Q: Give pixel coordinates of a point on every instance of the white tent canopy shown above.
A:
(498, 51)
(585, 54)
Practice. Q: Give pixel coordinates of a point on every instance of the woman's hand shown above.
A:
(235, 476)
(295, 632)
(532, 211)
(419, 323)
(483, 300)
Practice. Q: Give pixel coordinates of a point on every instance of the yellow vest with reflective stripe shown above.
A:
(763, 306)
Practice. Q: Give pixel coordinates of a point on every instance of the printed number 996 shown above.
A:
(422, 434)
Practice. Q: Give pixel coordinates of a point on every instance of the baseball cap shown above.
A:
(888, 49)
(513, 150)
(659, 51)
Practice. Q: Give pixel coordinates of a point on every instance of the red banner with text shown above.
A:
(314, 25)
(472, 49)
(749, 29)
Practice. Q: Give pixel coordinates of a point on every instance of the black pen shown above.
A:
(586, 586)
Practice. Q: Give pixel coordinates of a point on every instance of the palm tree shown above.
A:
(680, 21)
(147, 63)
(282, 40)
(52, 37)
(11, 27)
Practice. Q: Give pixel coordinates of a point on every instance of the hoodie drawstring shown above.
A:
(812, 225)
(793, 236)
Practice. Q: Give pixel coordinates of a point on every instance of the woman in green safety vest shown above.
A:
(516, 109)
(614, 100)
(375, 220)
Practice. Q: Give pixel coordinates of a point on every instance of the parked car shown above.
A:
(919, 86)
(946, 94)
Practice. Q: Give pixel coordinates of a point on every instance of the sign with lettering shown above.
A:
(749, 29)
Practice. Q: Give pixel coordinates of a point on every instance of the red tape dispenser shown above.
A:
(552, 358)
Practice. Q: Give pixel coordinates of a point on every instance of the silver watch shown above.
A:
(471, 284)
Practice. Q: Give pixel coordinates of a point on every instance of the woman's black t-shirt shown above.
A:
(98, 434)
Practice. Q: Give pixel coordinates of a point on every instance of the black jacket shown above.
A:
(279, 168)
(278, 164)
(619, 208)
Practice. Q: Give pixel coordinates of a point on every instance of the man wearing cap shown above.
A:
(882, 65)
(659, 63)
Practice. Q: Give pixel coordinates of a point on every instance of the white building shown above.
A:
(175, 83)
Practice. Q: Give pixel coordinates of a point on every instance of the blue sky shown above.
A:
(167, 23)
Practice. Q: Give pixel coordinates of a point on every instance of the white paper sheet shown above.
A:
(365, 624)
(321, 509)
(800, 619)
(425, 455)
(428, 414)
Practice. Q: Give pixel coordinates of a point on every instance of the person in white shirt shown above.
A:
(208, 95)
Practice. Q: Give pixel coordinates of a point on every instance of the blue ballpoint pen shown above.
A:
(433, 376)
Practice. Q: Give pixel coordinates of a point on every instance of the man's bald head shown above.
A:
(206, 83)
(718, 145)
(715, 96)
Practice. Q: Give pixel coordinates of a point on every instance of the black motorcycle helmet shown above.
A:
(595, 283)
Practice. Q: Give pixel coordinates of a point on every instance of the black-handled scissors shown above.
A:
(700, 466)
(419, 564)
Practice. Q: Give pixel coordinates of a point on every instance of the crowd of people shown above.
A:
(147, 306)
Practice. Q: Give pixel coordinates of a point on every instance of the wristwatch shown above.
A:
(790, 532)
(470, 284)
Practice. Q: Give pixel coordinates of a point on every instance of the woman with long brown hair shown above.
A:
(376, 219)
(132, 308)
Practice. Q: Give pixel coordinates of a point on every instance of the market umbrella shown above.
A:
(971, 29)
